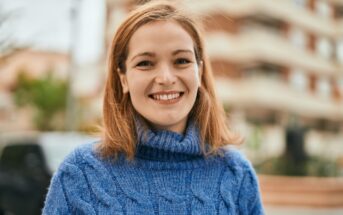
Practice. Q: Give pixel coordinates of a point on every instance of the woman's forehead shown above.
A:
(160, 36)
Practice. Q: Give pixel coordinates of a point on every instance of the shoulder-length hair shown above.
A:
(118, 113)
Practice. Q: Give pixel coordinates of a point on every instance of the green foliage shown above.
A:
(295, 161)
(313, 166)
(255, 140)
(47, 96)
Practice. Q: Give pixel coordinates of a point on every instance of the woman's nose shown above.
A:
(165, 75)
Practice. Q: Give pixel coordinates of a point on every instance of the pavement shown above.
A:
(278, 210)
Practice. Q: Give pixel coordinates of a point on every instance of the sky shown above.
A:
(49, 25)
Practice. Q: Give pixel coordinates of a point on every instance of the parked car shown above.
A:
(27, 163)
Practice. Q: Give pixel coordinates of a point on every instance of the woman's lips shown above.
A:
(170, 97)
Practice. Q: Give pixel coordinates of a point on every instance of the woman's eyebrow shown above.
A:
(182, 50)
(149, 54)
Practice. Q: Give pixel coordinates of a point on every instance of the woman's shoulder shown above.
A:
(235, 158)
(81, 155)
(73, 184)
(236, 163)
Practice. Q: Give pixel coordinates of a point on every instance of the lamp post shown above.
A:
(71, 104)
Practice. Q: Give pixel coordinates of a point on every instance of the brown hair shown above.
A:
(119, 126)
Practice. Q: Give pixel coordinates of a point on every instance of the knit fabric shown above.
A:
(168, 176)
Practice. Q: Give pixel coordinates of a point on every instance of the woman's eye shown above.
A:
(182, 61)
(144, 63)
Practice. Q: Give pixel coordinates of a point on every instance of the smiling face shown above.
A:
(162, 75)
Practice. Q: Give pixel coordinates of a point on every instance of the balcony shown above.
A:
(281, 9)
(263, 46)
(265, 93)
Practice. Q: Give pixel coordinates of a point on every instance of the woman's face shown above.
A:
(162, 75)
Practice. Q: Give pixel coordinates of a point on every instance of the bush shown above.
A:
(295, 161)
(47, 96)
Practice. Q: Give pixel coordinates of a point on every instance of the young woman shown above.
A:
(162, 150)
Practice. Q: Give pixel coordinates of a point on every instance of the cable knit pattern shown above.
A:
(169, 176)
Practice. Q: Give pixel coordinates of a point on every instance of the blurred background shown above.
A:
(279, 74)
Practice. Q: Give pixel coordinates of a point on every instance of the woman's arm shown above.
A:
(56, 202)
(249, 199)
(68, 192)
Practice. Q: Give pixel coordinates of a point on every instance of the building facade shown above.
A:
(278, 64)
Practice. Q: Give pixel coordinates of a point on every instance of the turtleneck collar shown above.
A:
(164, 145)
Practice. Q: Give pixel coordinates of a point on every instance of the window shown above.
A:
(299, 80)
(300, 3)
(340, 51)
(324, 87)
(298, 37)
(324, 47)
(323, 8)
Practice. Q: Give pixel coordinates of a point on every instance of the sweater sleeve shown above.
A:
(69, 191)
(242, 183)
(56, 202)
(249, 194)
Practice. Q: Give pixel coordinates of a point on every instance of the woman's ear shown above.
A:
(123, 81)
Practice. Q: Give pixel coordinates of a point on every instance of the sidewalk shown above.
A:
(274, 210)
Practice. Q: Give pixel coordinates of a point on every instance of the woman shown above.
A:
(162, 150)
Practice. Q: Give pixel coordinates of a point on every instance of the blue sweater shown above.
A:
(168, 176)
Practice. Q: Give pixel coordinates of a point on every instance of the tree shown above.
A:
(46, 95)
(8, 45)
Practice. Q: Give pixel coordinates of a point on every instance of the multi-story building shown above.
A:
(277, 64)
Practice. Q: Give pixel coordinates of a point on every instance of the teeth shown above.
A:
(166, 97)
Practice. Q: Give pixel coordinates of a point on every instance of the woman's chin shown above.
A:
(177, 126)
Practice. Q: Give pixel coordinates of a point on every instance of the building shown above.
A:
(277, 64)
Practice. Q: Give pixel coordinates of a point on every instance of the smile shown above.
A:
(166, 96)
